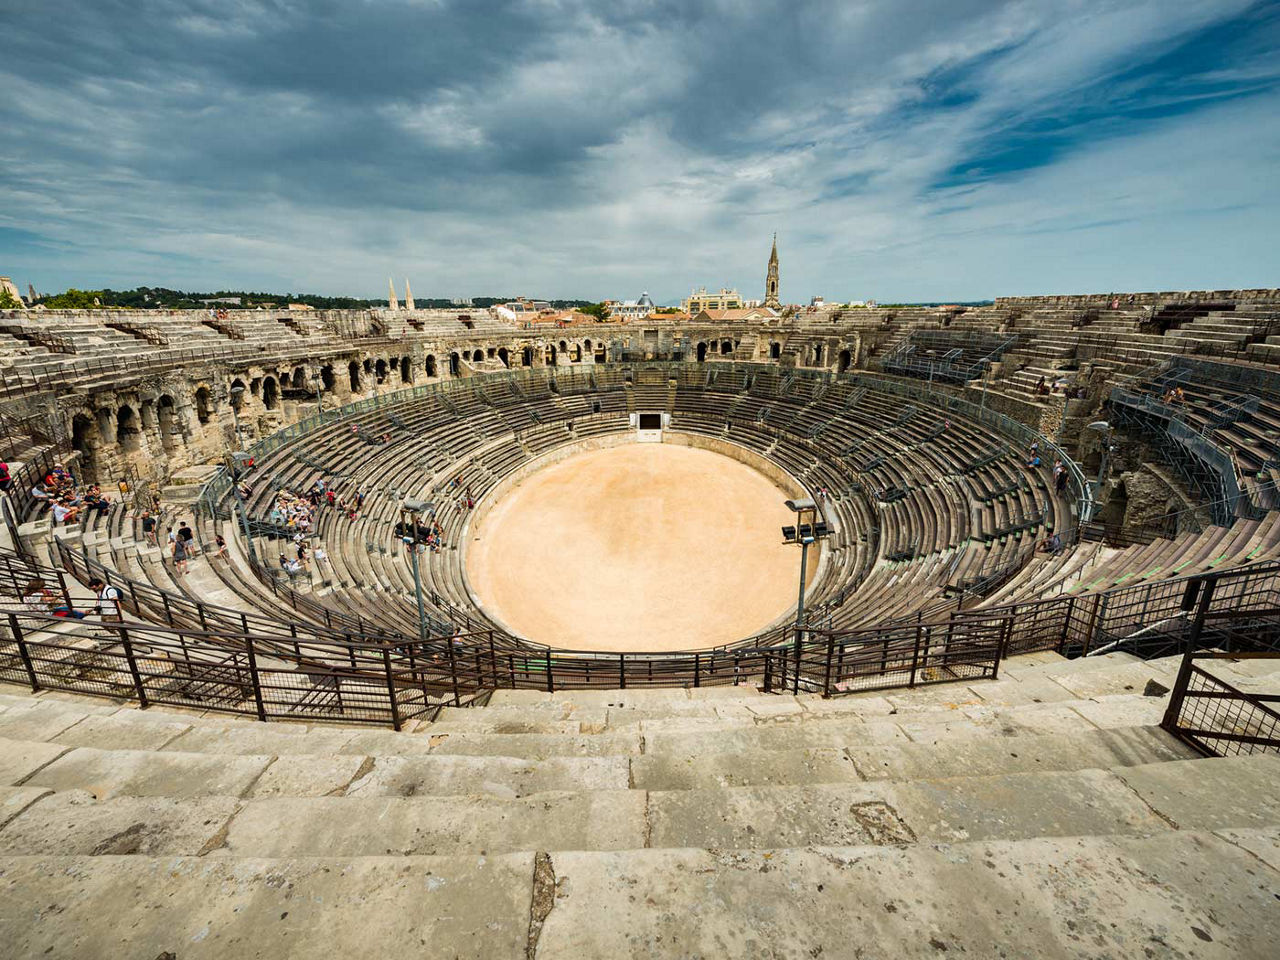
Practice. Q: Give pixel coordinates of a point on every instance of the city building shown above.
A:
(700, 300)
(625, 310)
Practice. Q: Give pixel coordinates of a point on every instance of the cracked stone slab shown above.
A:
(533, 746)
(21, 758)
(975, 757)
(506, 777)
(1023, 805)
(1213, 793)
(74, 823)
(146, 773)
(665, 771)
(755, 817)
(306, 776)
(211, 909)
(260, 739)
(15, 800)
(127, 730)
(1176, 895)
(376, 826)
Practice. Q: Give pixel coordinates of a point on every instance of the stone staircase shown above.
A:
(1042, 814)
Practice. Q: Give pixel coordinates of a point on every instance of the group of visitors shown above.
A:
(37, 597)
(58, 490)
(1174, 394)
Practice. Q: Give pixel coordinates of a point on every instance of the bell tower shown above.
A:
(771, 278)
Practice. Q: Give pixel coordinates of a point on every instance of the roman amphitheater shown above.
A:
(542, 686)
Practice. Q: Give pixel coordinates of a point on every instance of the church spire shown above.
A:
(408, 295)
(771, 279)
(392, 302)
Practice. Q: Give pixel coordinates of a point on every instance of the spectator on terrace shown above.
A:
(108, 605)
(188, 536)
(149, 527)
(38, 598)
(41, 494)
(1042, 387)
(64, 511)
(180, 558)
(1034, 462)
(221, 544)
(320, 557)
(6, 481)
(1052, 545)
(94, 500)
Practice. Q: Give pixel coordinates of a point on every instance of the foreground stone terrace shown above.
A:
(1042, 814)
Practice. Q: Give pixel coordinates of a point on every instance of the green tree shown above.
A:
(73, 299)
(8, 301)
(597, 310)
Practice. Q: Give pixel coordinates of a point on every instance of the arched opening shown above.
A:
(1112, 515)
(204, 405)
(299, 379)
(270, 393)
(775, 350)
(368, 365)
(492, 353)
(702, 352)
(817, 354)
(431, 365)
(406, 372)
(526, 357)
(504, 356)
(564, 347)
(237, 393)
(726, 347)
(846, 359)
(128, 436)
(575, 354)
(327, 380)
(353, 374)
(600, 353)
(477, 356)
(551, 355)
(380, 370)
(84, 440)
(455, 364)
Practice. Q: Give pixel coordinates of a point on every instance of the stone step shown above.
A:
(1192, 893)
(1193, 794)
(143, 773)
(1096, 749)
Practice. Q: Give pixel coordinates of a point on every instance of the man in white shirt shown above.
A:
(108, 606)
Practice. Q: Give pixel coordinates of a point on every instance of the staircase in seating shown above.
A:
(1042, 814)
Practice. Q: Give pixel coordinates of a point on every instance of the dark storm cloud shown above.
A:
(568, 144)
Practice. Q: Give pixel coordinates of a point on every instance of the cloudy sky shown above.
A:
(902, 149)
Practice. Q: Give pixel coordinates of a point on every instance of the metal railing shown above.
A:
(1218, 718)
(267, 669)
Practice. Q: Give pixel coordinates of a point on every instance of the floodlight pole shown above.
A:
(804, 561)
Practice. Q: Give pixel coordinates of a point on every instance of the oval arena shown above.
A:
(543, 667)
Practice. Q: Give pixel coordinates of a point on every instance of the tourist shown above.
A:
(64, 511)
(108, 606)
(38, 598)
(149, 527)
(1034, 462)
(6, 481)
(1042, 387)
(179, 549)
(320, 556)
(221, 545)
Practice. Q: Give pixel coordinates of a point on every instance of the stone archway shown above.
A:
(702, 352)
(431, 365)
(845, 361)
(270, 393)
(353, 374)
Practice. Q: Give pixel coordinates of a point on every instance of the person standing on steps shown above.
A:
(179, 548)
(149, 528)
(187, 536)
(108, 606)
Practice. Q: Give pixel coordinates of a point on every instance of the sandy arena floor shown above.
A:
(646, 546)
